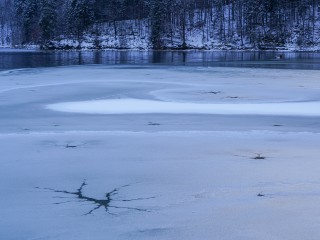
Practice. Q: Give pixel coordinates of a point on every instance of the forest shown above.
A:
(161, 24)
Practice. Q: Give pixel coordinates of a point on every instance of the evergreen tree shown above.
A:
(81, 16)
(27, 11)
(48, 19)
(157, 22)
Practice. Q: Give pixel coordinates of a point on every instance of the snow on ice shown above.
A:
(137, 106)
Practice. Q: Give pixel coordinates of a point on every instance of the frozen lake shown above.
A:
(140, 150)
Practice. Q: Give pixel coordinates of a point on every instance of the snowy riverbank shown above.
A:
(155, 174)
(143, 43)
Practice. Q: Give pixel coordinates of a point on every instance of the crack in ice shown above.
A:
(100, 203)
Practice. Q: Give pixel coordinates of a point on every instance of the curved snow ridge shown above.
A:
(140, 106)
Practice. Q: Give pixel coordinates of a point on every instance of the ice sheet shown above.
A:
(161, 176)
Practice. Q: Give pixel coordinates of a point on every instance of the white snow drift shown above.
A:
(139, 106)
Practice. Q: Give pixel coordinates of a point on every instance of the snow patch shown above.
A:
(139, 106)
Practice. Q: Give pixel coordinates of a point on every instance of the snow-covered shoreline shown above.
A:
(87, 47)
(56, 46)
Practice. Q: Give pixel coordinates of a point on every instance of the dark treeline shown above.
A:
(257, 22)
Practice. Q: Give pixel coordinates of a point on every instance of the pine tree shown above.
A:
(81, 16)
(48, 19)
(28, 13)
(157, 20)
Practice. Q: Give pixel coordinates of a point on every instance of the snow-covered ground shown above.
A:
(74, 173)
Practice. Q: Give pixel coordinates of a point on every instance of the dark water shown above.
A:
(12, 59)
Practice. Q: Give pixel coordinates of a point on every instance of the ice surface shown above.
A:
(162, 176)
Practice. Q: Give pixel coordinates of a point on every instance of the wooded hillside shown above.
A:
(160, 24)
